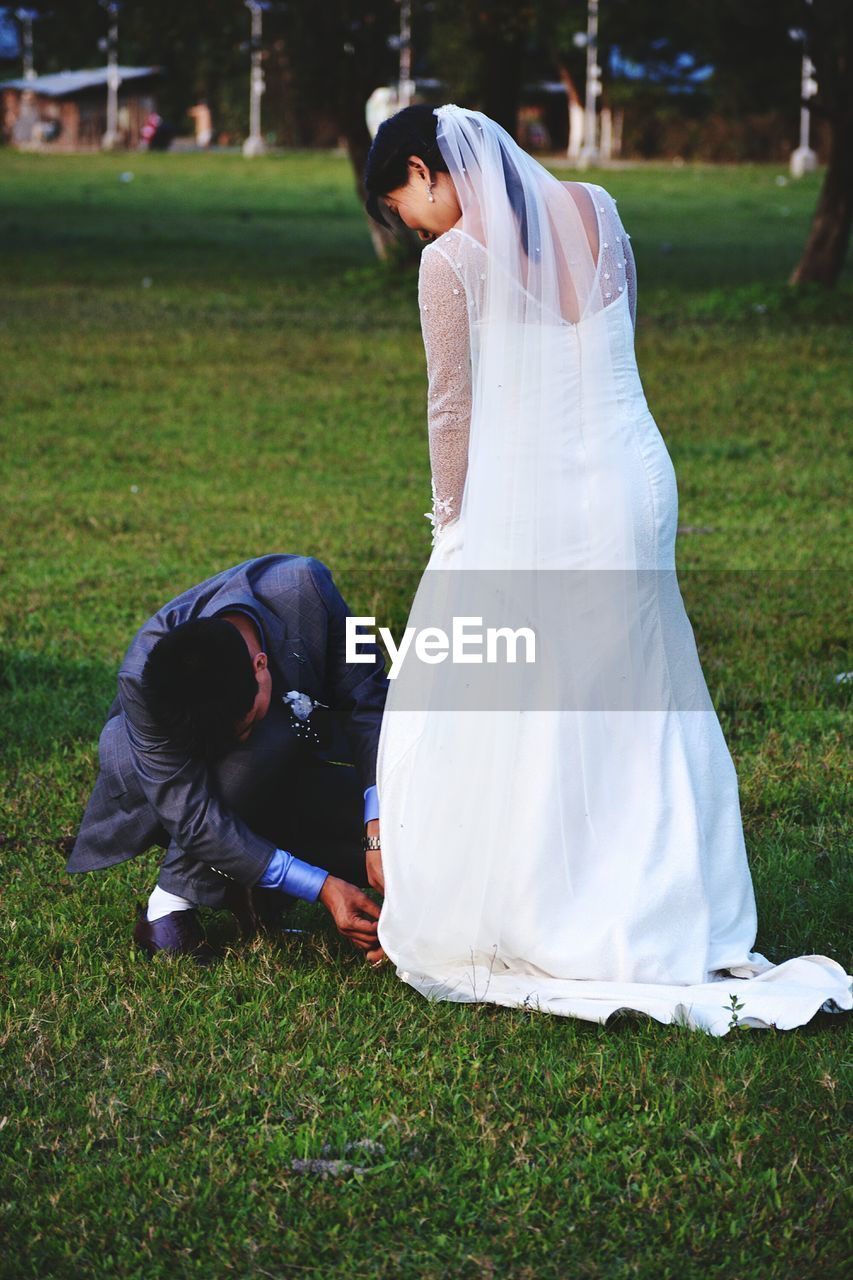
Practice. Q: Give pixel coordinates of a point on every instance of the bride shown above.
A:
(563, 834)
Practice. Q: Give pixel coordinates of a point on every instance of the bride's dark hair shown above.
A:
(411, 132)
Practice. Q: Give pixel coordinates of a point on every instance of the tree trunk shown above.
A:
(830, 44)
(830, 232)
(829, 235)
(357, 136)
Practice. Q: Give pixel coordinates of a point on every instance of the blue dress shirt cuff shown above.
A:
(371, 804)
(292, 875)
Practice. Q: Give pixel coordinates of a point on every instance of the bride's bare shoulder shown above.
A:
(585, 202)
(580, 193)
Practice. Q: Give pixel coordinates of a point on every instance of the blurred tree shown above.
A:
(829, 34)
(754, 62)
(477, 49)
(674, 65)
(337, 53)
(202, 50)
(555, 53)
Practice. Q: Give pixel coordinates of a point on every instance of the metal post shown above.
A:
(803, 159)
(406, 86)
(110, 139)
(589, 150)
(254, 144)
(27, 17)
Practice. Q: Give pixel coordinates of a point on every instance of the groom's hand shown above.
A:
(352, 911)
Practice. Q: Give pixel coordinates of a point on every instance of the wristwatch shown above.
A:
(370, 843)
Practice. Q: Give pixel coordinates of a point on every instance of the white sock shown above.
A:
(162, 903)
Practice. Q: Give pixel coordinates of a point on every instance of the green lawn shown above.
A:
(201, 365)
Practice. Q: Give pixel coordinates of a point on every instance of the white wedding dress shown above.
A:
(578, 851)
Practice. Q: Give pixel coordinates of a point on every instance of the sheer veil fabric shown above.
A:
(577, 847)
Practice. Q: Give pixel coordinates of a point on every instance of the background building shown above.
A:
(68, 111)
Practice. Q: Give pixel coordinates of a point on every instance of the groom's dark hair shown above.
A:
(199, 683)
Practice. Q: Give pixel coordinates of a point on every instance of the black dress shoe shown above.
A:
(257, 910)
(179, 933)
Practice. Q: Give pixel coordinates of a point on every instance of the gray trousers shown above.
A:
(306, 799)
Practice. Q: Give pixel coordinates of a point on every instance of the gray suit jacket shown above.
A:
(148, 790)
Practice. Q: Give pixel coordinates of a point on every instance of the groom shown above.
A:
(243, 742)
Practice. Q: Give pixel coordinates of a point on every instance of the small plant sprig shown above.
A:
(735, 1006)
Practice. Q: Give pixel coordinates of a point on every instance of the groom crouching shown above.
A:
(243, 742)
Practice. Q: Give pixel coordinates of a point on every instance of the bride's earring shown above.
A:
(430, 196)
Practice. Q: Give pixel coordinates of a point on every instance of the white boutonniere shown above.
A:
(301, 705)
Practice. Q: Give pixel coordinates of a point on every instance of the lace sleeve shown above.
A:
(630, 270)
(617, 256)
(444, 324)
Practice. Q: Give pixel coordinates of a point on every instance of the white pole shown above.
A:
(589, 150)
(406, 86)
(110, 138)
(26, 17)
(254, 144)
(803, 159)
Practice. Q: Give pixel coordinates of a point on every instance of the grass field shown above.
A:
(201, 365)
